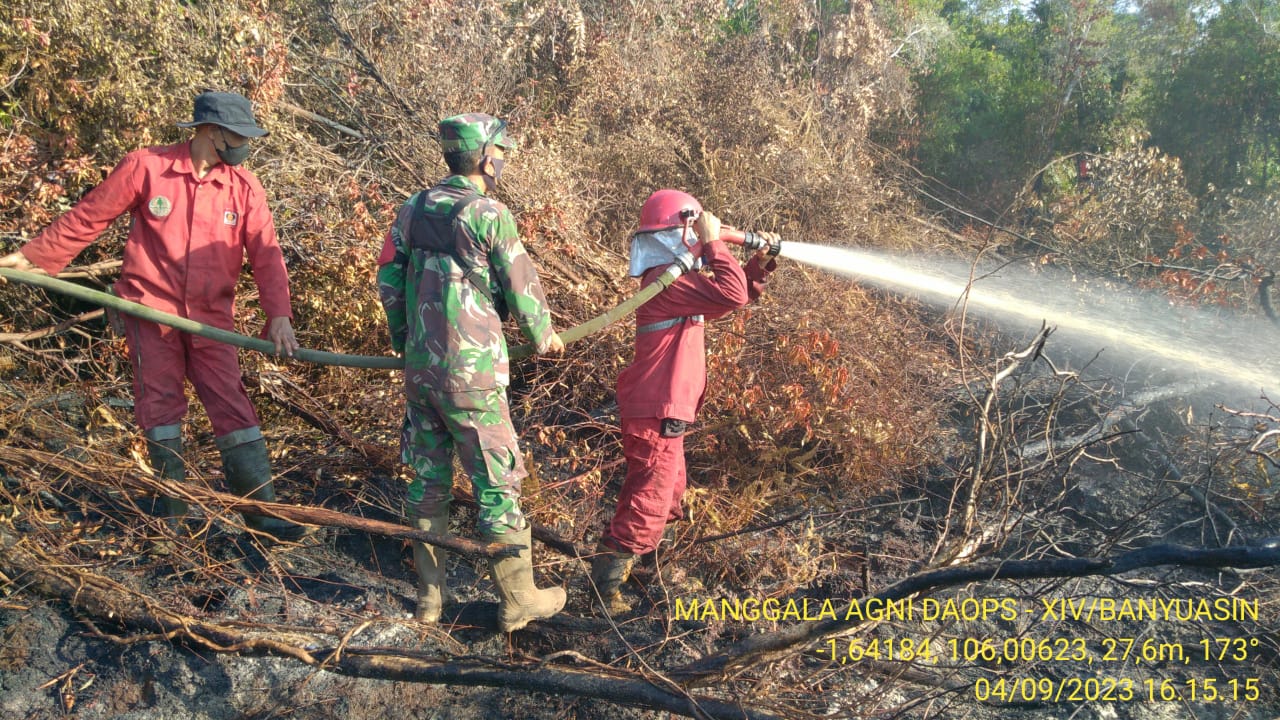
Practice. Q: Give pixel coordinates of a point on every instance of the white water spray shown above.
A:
(1232, 349)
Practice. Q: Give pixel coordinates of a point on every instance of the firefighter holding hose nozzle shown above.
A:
(660, 392)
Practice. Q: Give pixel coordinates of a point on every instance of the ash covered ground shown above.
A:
(1056, 656)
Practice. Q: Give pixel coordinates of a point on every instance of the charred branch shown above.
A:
(316, 118)
(1264, 296)
(22, 337)
(296, 400)
(224, 502)
(108, 601)
(987, 428)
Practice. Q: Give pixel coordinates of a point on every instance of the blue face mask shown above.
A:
(231, 155)
(491, 181)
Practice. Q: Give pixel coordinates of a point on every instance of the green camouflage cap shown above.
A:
(472, 131)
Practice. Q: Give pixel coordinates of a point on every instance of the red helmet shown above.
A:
(667, 209)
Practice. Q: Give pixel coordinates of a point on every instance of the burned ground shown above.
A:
(1089, 496)
(847, 441)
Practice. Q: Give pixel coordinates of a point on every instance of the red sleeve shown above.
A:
(388, 250)
(59, 243)
(265, 256)
(758, 276)
(697, 294)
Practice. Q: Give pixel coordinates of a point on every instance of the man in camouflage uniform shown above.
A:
(451, 268)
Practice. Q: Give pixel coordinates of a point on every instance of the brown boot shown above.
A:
(609, 569)
(431, 562)
(520, 600)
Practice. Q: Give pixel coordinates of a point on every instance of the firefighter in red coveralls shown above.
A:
(195, 214)
(660, 393)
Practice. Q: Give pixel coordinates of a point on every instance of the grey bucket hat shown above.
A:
(228, 110)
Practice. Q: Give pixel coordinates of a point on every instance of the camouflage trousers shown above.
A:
(477, 424)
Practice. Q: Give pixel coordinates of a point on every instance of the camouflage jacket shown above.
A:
(450, 333)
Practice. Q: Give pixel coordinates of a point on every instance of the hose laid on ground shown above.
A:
(321, 357)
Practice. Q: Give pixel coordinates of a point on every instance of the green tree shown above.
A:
(1218, 108)
(1007, 89)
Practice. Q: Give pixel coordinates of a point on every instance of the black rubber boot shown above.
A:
(650, 559)
(248, 470)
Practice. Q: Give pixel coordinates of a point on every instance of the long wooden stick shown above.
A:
(307, 114)
(305, 514)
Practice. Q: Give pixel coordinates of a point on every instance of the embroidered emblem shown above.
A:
(160, 206)
(229, 217)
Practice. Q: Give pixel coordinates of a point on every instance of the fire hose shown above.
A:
(590, 327)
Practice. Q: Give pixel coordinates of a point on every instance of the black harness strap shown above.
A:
(436, 233)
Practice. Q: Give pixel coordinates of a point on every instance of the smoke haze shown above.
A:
(1144, 329)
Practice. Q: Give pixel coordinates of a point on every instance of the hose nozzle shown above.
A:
(749, 240)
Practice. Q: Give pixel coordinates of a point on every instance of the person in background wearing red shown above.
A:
(194, 214)
(660, 392)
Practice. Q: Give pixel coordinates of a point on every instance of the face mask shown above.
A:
(232, 155)
(491, 182)
(650, 249)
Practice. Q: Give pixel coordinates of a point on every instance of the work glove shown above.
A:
(763, 254)
(555, 346)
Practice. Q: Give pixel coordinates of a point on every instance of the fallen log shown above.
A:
(195, 494)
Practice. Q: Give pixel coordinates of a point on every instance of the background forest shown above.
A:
(851, 436)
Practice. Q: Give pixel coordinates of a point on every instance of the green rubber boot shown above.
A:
(431, 563)
(609, 570)
(520, 601)
(248, 471)
(166, 459)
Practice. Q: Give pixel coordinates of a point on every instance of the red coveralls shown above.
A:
(184, 253)
(667, 379)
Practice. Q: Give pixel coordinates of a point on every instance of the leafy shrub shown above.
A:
(815, 396)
